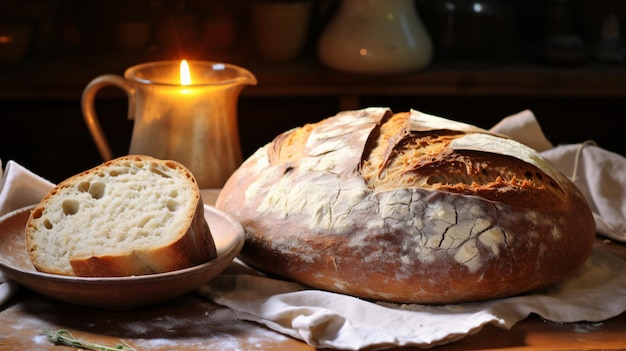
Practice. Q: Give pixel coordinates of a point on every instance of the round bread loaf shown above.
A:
(408, 208)
(133, 215)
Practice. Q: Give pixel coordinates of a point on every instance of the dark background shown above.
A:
(41, 125)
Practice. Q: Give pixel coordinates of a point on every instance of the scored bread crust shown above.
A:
(408, 208)
(133, 215)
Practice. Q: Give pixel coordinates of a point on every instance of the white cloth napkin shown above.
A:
(601, 177)
(523, 127)
(328, 320)
(598, 173)
(19, 187)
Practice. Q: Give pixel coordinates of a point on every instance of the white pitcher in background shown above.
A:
(375, 37)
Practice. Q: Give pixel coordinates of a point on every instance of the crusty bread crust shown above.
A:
(408, 208)
(133, 215)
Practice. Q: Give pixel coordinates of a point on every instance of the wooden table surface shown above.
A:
(195, 323)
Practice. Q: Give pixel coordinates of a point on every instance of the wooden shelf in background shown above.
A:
(65, 76)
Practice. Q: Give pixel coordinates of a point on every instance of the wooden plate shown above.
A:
(117, 293)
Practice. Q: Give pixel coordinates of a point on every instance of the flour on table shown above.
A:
(210, 328)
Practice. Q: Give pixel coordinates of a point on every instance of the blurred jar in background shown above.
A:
(44, 17)
(221, 28)
(560, 43)
(467, 32)
(375, 37)
(15, 41)
(280, 28)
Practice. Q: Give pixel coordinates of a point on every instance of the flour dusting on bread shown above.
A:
(408, 207)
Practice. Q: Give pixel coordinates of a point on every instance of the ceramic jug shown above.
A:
(193, 122)
(375, 37)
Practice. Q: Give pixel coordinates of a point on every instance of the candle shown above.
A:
(193, 122)
(185, 111)
(185, 74)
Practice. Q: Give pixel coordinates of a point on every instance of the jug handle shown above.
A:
(89, 111)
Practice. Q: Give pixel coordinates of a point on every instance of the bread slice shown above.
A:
(133, 215)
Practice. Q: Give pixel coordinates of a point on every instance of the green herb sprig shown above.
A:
(64, 337)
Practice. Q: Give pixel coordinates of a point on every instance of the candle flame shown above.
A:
(185, 74)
